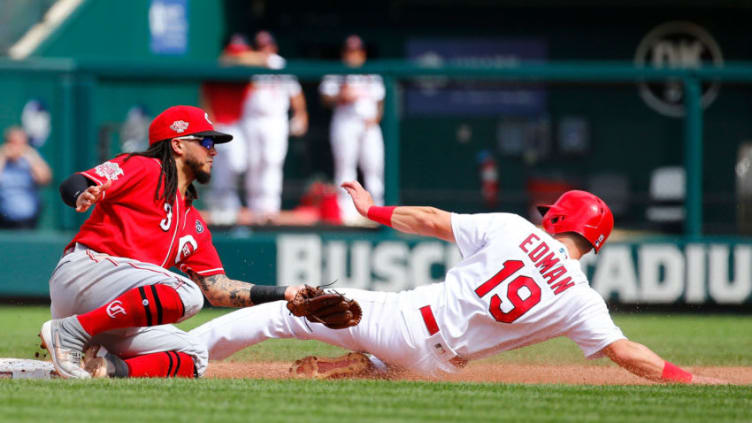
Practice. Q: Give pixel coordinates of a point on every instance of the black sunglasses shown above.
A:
(206, 142)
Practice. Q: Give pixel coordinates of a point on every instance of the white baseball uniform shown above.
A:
(515, 286)
(354, 141)
(229, 162)
(225, 100)
(265, 124)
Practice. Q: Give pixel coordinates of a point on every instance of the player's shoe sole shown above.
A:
(65, 361)
(348, 365)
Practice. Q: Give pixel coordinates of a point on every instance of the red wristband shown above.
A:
(674, 373)
(381, 214)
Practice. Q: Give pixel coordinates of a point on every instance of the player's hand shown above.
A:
(291, 291)
(347, 94)
(89, 197)
(361, 198)
(298, 125)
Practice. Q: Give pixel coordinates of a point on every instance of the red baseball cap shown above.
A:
(179, 121)
(238, 44)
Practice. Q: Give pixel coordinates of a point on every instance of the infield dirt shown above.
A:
(493, 372)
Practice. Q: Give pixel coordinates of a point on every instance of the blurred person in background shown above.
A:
(266, 127)
(224, 103)
(355, 133)
(22, 172)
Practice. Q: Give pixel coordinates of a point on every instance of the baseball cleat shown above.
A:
(348, 365)
(65, 349)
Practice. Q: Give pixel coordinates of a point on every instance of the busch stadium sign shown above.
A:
(654, 273)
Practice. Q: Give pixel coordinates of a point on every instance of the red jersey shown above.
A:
(128, 222)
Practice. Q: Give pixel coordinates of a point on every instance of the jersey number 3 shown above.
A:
(520, 306)
(167, 221)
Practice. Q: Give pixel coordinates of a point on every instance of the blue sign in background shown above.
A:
(168, 26)
(440, 96)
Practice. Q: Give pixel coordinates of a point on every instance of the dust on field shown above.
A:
(493, 372)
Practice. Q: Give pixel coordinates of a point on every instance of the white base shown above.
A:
(20, 368)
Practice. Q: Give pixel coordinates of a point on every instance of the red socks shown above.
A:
(143, 306)
(161, 364)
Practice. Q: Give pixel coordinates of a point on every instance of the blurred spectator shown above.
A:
(223, 101)
(22, 172)
(317, 206)
(355, 134)
(266, 128)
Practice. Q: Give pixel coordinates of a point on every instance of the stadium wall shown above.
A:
(660, 271)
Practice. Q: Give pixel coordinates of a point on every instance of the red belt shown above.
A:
(433, 328)
(429, 320)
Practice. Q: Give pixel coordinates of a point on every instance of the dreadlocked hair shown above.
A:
(169, 175)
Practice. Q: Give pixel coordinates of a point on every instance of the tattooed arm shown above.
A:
(222, 291)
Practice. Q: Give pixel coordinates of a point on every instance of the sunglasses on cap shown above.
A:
(206, 142)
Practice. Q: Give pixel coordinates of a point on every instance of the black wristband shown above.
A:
(264, 293)
(72, 187)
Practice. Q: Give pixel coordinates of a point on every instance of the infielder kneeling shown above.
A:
(112, 286)
(516, 285)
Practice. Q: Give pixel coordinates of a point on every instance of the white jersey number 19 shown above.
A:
(520, 306)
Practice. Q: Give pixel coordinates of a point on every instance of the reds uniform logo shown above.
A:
(187, 245)
(109, 170)
(114, 308)
(199, 226)
(179, 126)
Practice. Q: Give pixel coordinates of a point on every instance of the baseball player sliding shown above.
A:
(112, 288)
(516, 285)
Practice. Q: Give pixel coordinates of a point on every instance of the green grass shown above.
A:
(363, 401)
(685, 339)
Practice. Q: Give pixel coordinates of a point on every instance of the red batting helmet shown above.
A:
(579, 212)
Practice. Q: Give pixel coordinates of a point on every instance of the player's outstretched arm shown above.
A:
(643, 362)
(426, 221)
(222, 291)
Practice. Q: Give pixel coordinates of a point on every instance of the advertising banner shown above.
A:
(168, 26)
(442, 96)
(668, 272)
(629, 273)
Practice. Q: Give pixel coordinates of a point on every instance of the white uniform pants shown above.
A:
(229, 163)
(85, 280)
(356, 144)
(267, 147)
(383, 332)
